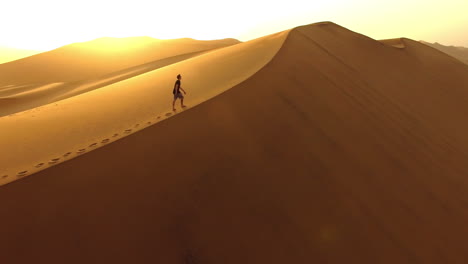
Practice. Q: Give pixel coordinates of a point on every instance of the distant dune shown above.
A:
(98, 57)
(313, 145)
(8, 54)
(460, 53)
(82, 67)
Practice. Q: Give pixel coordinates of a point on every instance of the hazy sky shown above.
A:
(48, 24)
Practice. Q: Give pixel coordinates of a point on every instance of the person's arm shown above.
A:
(180, 87)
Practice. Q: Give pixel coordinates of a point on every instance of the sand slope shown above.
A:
(8, 54)
(20, 98)
(460, 53)
(396, 43)
(53, 133)
(341, 149)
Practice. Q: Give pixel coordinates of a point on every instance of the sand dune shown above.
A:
(115, 59)
(27, 97)
(397, 42)
(460, 53)
(341, 149)
(8, 54)
(93, 59)
(113, 111)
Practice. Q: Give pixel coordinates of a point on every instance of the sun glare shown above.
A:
(116, 44)
(48, 24)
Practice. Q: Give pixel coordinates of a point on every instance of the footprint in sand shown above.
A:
(4, 176)
(67, 154)
(104, 141)
(158, 117)
(81, 151)
(39, 165)
(93, 145)
(53, 161)
(115, 135)
(128, 131)
(148, 123)
(137, 125)
(21, 174)
(168, 114)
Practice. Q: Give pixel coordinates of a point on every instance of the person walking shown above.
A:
(177, 93)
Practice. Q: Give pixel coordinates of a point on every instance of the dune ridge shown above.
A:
(8, 54)
(460, 53)
(396, 42)
(339, 149)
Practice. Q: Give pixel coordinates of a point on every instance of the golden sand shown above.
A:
(316, 145)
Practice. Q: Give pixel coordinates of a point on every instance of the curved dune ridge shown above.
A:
(79, 124)
(339, 150)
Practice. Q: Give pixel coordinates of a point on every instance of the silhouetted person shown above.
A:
(177, 93)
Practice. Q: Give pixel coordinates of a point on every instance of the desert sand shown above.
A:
(82, 67)
(58, 131)
(95, 58)
(313, 145)
(460, 53)
(8, 54)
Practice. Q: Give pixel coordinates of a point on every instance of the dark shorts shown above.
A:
(178, 95)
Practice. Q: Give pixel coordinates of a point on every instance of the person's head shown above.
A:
(179, 77)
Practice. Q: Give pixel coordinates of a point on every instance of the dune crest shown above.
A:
(397, 42)
(8, 54)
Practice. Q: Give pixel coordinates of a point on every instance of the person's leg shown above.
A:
(173, 104)
(182, 102)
